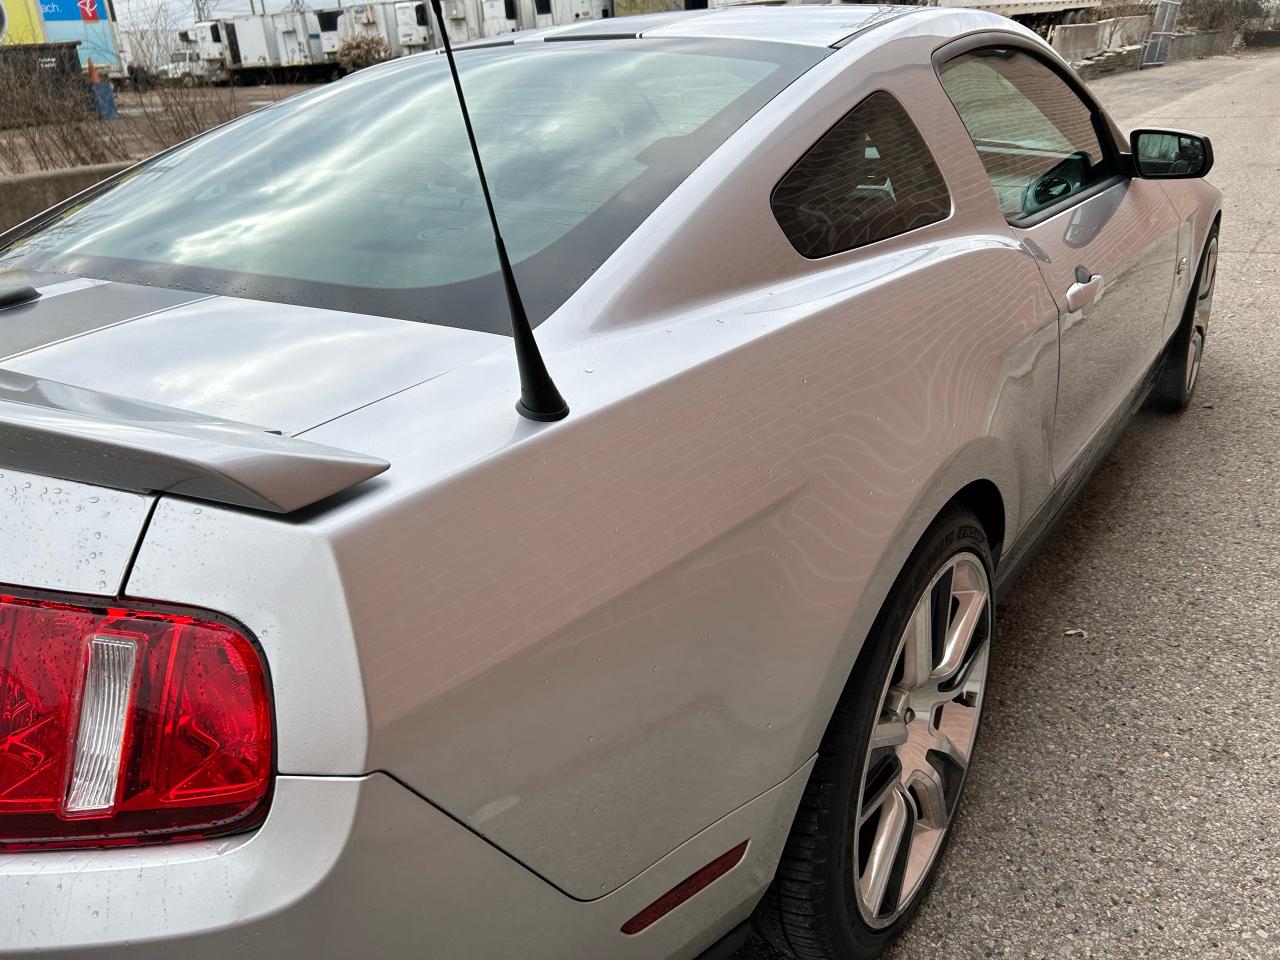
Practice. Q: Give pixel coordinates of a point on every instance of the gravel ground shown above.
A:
(1125, 800)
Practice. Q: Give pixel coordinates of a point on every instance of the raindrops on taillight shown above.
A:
(126, 725)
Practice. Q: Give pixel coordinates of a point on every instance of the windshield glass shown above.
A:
(362, 195)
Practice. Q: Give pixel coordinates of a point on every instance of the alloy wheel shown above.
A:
(1200, 321)
(1195, 349)
(923, 739)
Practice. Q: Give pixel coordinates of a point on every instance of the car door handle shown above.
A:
(1084, 291)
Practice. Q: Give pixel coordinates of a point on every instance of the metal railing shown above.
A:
(1155, 51)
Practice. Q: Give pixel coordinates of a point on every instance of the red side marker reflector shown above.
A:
(682, 891)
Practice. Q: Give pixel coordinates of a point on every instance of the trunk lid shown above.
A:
(282, 367)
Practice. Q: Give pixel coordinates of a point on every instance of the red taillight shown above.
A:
(127, 726)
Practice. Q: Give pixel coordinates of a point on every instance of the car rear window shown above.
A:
(362, 195)
(870, 177)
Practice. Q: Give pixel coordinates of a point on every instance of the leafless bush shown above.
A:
(47, 119)
(52, 123)
(49, 122)
(169, 114)
(1109, 11)
(1224, 14)
(360, 51)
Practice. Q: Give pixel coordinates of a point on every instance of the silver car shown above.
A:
(314, 645)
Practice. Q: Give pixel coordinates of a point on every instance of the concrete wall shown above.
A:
(1120, 32)
(1077, 41)
(22, 197)
(1262, 38)
(1080, 41)
(1188, 46)
(1184, 46)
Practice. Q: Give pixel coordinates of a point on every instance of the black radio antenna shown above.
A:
(539, 398)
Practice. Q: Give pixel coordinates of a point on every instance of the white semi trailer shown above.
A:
(413, 26)
(374, 20)
(297, 38)
(251, 42)
(336, 24)
(304, 45)
(473, 19)
(1037, 13)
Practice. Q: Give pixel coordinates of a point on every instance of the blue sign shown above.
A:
(59, 10)
(94, 40)
(69, 10)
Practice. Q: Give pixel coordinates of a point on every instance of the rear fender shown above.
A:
(985, 458)
(66, 536)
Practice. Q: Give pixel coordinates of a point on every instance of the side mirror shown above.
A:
(1170, 154)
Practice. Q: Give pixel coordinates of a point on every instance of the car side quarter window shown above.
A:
(868, 178)
(1036, 137)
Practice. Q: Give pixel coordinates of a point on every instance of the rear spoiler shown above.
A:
(71, 433)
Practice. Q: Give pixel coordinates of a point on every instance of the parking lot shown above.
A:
(1125, 802)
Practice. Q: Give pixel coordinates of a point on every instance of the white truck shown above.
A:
(209, 37)
(184, 67)
(259, 48)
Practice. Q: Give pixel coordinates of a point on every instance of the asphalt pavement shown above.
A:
(1125, 798)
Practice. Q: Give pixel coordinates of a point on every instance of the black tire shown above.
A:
(810, 911)
(1181, 370)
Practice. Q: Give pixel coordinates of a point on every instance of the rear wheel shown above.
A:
(1181, 370)
(879, 805)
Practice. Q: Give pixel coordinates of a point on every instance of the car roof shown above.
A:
(807, 24)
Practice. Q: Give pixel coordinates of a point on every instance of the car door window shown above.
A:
(870, 177)
(1036, 137)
